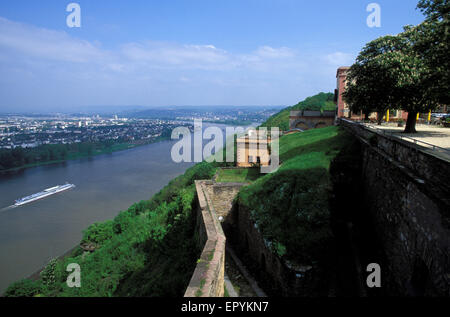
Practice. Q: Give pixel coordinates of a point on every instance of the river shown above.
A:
(32, 234)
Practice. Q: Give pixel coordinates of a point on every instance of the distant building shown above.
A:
(343, 110)
(253, 149)
(342, 107)
(309, 119)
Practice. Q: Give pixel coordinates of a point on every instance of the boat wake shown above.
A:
(7, 208)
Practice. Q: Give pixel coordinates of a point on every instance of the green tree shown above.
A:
(48, 273)
(415, 91)
(372, 87)
(433, 46)
(390, 73)
(24, 288)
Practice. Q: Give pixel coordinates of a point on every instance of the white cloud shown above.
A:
(47, 66)
(270, 52)
(48, 44)
(157, 54)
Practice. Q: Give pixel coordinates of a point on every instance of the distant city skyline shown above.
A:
(154, 53)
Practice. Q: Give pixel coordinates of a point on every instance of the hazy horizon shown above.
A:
(105, 109)
(181, 53)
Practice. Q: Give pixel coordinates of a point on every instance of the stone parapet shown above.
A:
(208, 277)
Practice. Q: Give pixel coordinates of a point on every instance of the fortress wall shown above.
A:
(276, 276)
(208, 277)
(406, 193)
(310, 119)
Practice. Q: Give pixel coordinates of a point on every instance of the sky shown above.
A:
(182, 52)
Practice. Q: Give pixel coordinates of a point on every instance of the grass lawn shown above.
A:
(242, 175)
(290, 206)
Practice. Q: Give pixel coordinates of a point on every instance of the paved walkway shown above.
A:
(231, 291)
(258, 291)
(426, 136)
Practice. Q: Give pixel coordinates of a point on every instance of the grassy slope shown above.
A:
(321, 101)
(290, 206)
(238, 175)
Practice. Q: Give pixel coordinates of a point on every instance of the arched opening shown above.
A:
(302, 125)
(419, 278)
(320, 125)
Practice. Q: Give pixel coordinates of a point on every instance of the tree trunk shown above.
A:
(379, 117)
(366, 116)
(411, 122)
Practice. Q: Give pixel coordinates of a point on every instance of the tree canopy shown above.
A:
(372, 85)
(433, 45)
(406, 71)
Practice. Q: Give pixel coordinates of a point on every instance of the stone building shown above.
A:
(341, 77)
(309, 119)
(253, 149)
(343, 110)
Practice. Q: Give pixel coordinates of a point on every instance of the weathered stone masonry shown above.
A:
(208, 277)
(406, 196)
(277, 276)
(406, 193)
(215, 200)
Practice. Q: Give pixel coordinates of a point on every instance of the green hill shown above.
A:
(291, 207)
(321, 101)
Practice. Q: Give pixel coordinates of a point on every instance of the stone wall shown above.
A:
(306, 119)
(406, 194)
(208, 277)
(214, 200)
(222, 196)
(277, 277)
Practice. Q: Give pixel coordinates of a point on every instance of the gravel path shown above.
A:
(427, 133)
(430, 134)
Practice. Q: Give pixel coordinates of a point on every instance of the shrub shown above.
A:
(24, 288)
(98, 233)
(48, 273)
(291, 210)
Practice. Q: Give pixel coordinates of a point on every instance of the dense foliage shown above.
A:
(25, 157)
(433, 45)
(372, 87)
(147, 250)
(322, 101)
(408, 71)
(20, 157)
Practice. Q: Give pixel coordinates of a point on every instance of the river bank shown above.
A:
(33, 234)
(74, 156)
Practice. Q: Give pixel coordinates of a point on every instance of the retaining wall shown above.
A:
(406, 194)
